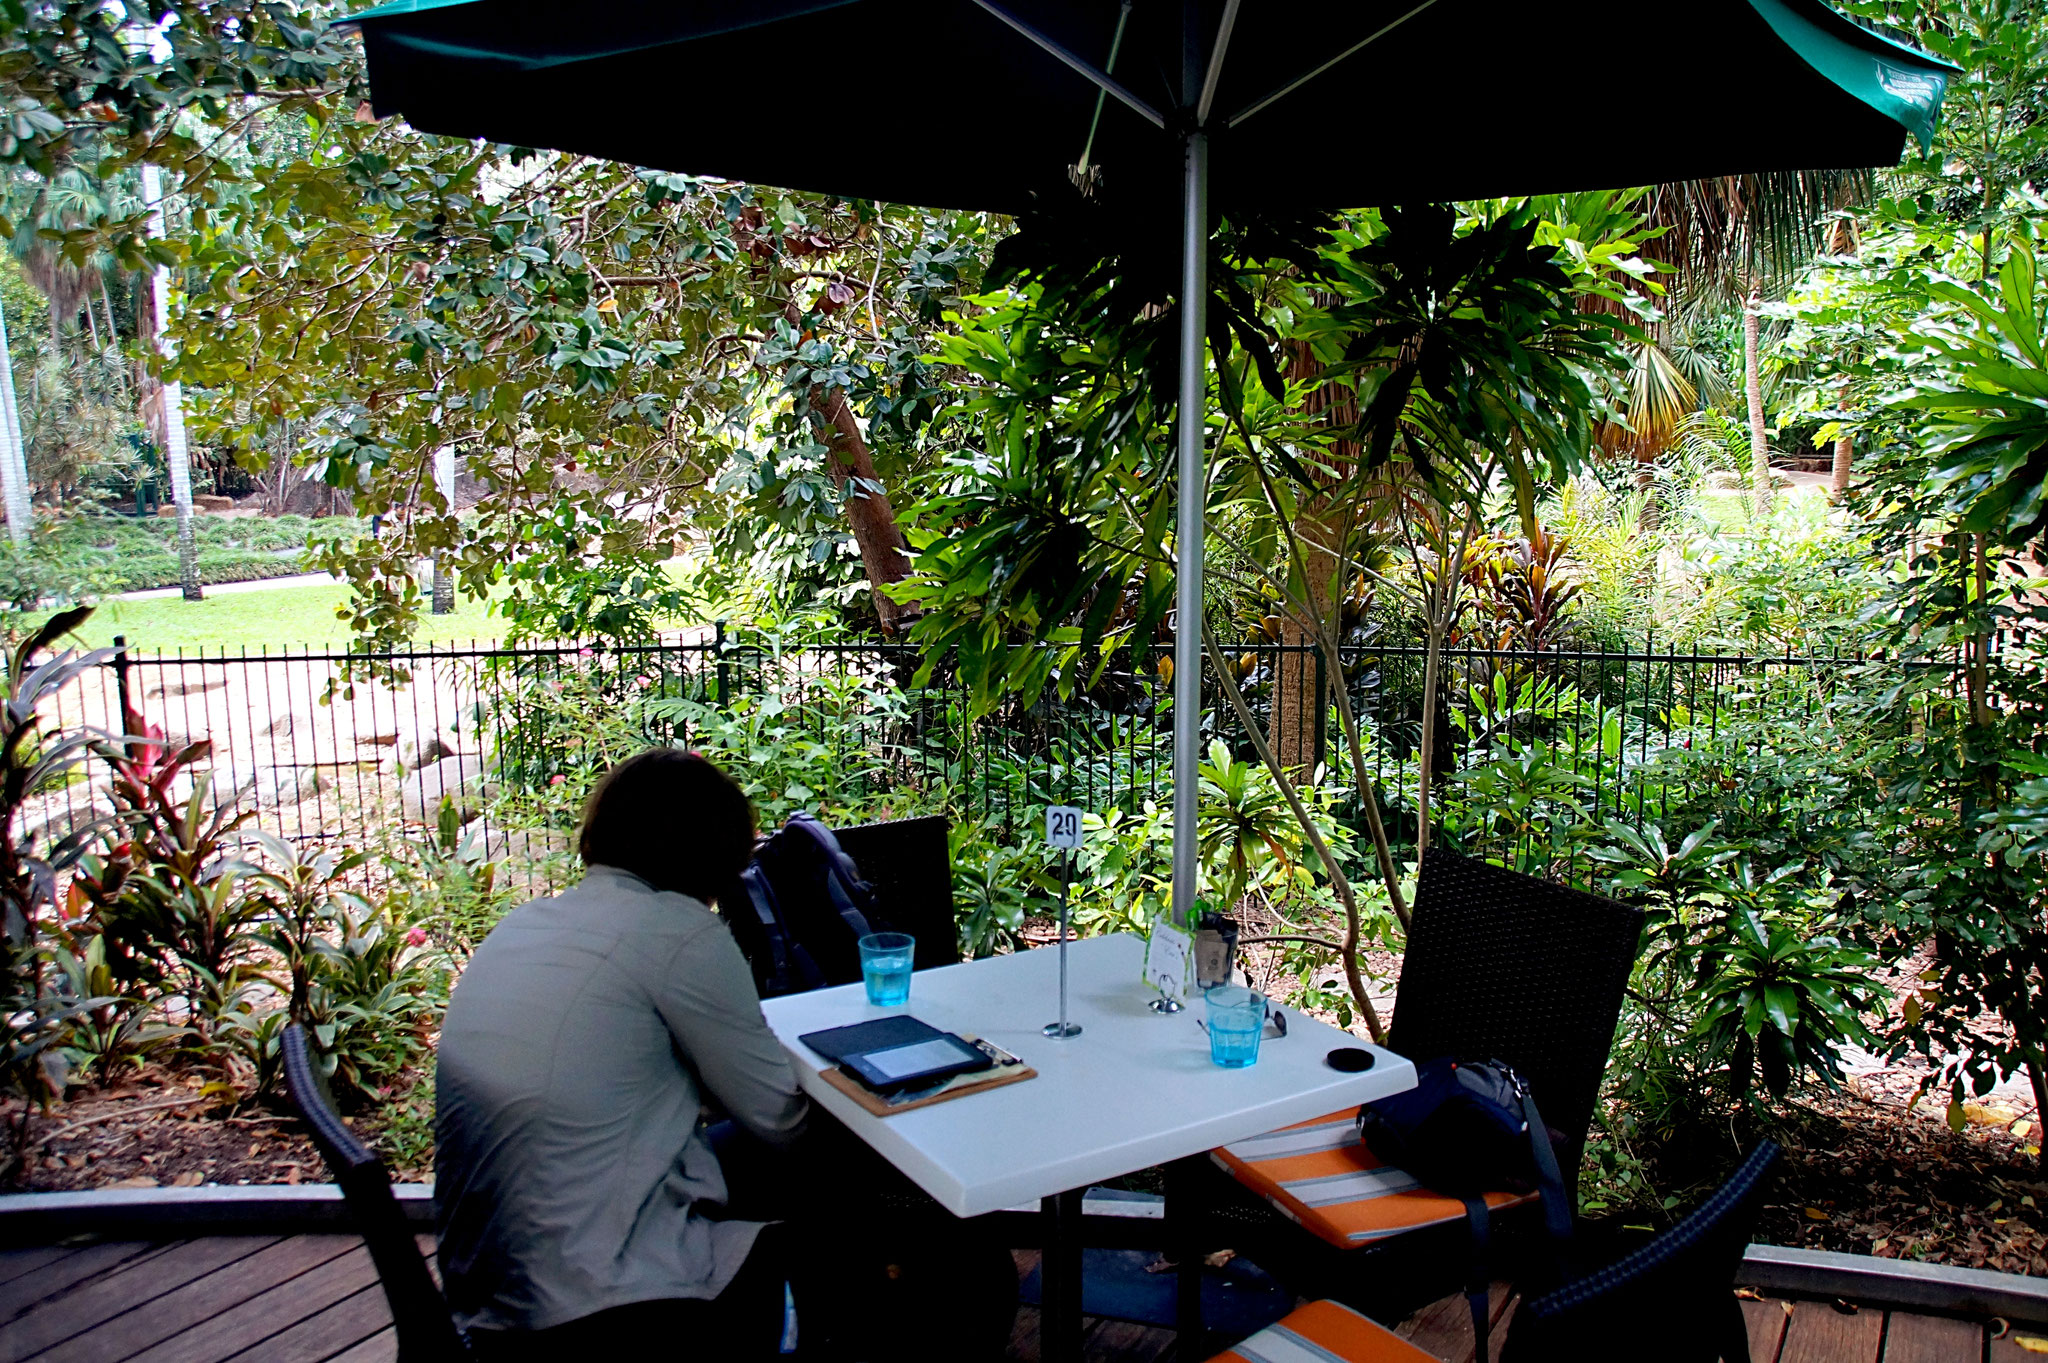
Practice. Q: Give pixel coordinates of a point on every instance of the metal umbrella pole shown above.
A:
(1189, 532)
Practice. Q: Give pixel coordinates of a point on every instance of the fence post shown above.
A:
(121, 684)
(718, 647)
(1322, 712)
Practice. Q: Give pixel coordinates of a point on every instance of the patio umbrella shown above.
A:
(978, 104)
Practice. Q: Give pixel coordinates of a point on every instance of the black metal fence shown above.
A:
(328, 745)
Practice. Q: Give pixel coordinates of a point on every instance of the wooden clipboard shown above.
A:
(959, 1088)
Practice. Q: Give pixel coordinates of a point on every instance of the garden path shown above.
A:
(315, 1299)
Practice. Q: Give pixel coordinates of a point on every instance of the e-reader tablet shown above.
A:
(890, 1054)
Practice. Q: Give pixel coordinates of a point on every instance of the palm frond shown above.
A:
(1722, 233)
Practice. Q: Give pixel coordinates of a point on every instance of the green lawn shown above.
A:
(277, 618)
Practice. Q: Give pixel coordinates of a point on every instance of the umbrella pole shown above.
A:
(1190, 529)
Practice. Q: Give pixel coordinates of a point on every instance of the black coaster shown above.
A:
(1350, 1059)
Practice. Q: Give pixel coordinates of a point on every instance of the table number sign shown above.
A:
(1063, 830)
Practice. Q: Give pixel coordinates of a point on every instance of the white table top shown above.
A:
(1135, 1089)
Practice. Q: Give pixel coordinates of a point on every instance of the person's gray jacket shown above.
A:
(574, 1060)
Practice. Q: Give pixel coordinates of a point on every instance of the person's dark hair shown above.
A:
(672, 819)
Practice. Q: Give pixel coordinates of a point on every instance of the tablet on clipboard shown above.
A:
(892, 1054)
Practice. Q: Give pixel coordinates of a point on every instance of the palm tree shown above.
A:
(164, 407)
(13, 459)
(70, 199)
(1741, 237)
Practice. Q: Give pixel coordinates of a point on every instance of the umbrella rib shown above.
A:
(1351, 51)
(1098, 76)
(1215, 72)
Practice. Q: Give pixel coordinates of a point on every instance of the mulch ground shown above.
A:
(1869, 1175)
(160, 1131)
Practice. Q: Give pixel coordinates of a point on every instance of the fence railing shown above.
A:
(325, 744)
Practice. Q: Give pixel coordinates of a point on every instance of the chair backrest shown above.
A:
(1674, 1297)
(910, 864)
(1503, 966)
(426, 1332)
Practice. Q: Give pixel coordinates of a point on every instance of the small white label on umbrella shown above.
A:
(1063, 826)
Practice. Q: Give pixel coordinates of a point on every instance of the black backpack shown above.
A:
(1468, 1128)
(800, 910)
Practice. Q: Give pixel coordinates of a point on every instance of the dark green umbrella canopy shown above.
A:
(948, 103)
(1168, 104)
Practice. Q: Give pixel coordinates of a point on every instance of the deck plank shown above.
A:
(381, 1347)
(355, 1318)
(16, 1262)
(221, 1290)
(1023, 1346)
(266, 1314)
(126, 1287)
(1444, 1327)
(2008, 1350)
(1766, 1320)
(1124, 1341)
(1818, 1333)
(1931, 1339)
(67, 1273)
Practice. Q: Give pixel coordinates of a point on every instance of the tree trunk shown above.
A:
(869, 513)
(13, 458)
(2040, 1083)
(1752, 381)
(1838, 478)
(1299, 705)
(164, 407)
(444, 483)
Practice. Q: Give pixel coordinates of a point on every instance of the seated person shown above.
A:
(578, 1050)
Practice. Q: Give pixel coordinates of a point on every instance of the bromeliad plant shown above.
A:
(35, 759)
(170, 894)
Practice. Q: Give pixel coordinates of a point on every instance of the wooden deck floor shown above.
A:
(315, 1299)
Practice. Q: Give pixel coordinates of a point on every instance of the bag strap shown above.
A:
(1557, 1212)
(1478, 1280)
(762, 896)
(840, 872)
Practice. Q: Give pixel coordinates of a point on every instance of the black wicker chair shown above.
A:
(1677, 1290)
(1499, 966)
(1504, 966)
(1673, 1299)
(910, 864)
(426, 1332)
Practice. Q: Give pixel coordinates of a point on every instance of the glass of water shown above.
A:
(885, 967)
(1237, 1016)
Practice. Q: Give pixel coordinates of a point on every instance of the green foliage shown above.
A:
(449, 886)
(1982, 389)
(1782, 996)
(35, 756)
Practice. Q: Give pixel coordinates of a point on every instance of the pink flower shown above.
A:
(416, 938)
(557, 779)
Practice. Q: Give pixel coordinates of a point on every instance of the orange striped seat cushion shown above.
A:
(1325, 1332)
(1321, 1175)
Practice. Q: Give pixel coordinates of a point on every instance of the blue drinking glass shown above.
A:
(885, 967)
(1237, 1018)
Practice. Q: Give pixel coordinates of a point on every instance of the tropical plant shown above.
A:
(1982, 390)
(109, 1027)
(300, 895)
(453, 889)
(1782, 995)
(36, 758)
(171, 896)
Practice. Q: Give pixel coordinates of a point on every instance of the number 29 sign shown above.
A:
(1063, 826)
